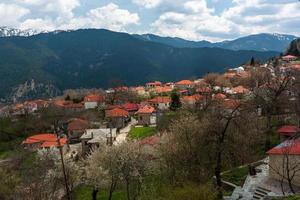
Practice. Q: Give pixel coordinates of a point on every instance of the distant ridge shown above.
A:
(258, 42)
(94, 58)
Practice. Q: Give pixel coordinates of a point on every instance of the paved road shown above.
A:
(121, 137)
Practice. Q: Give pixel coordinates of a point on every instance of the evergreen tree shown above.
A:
(252, 62)
(175, 101)
(68, 98)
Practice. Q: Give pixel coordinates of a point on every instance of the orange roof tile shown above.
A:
(130, 106)
(164, 89)
(185, 82)
(240, 90)
(195, 97)
(146, 110)
(160, 100)
(231, 103)
(220, 96)
(45, 140)
(94, 98)
(117, 112)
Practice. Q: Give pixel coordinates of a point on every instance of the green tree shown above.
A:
(252, 62)
(175, 101)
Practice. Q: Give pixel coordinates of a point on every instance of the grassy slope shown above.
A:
(141, 132)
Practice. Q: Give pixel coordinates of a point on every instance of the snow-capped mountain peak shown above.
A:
(8, 32)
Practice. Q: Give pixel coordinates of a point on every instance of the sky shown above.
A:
(212, 20)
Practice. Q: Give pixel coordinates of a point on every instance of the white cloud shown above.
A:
(198, 6)
(38, 24)
(244, 17)
(148, 3)
(109, 17)
(10, 14)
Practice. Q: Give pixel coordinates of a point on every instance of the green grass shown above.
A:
(85, 193)
(294, 197)
(141, 132)
(236, 176)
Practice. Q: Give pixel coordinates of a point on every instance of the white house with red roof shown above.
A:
(284, 161)
(146, 115)
(93, 101)
(289, 58)
(153, 84)
(117, 117)
(287, 131)
(184, 84)
(161, 103)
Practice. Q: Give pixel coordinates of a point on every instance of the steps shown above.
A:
(260, 193)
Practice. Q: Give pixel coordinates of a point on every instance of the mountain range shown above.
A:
(90, 58)
(258, 42)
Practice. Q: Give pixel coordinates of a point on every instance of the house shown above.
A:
(219, 97)
(289, 58)
(163, 90)
(94, 138)
(192, 101)
(118, 117)
(240, 90)
(184, 84)
(131, 108)
(288, 131)
(140, 90)
(162, 103)
(146, 115)
(153, 84)
(93, 101)
(44, 141)
(76, 128)
(68, 105)
(284, 159)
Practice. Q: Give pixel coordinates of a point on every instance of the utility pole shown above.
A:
(62, 162)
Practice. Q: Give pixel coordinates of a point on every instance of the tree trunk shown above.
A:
(127, 189)
(268, 133)
(94, 194)
(218, 175)
(112, 188)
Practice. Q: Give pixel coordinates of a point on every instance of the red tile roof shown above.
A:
(146, 110)
(288, 130)
(78, 124)
(231, 103)
(288, 147)
(93, 98)
(117, 112)
(240, 90)
(193, 98)
(289, 57)
(220, 96)
(130, 107)
(45, 140)
(160, 100)
(155, 83)
(185, 82)
(164, 89)
(67, 104)
(203, 90)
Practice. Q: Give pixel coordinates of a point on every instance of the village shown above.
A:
(79, 122)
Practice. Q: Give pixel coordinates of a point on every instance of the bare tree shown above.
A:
(286, 166)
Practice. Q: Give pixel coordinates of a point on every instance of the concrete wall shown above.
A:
(90, 105)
